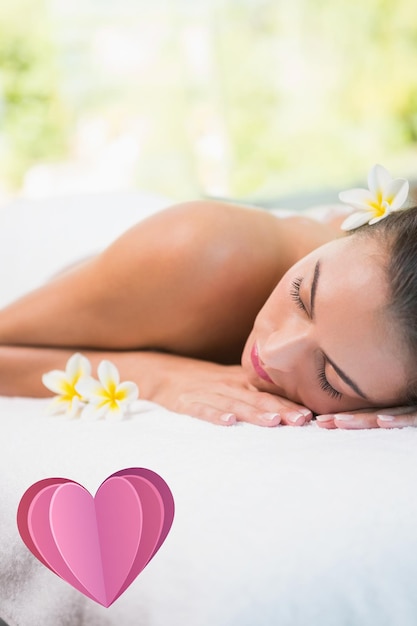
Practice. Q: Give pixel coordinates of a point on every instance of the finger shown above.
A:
(212, 414)
(400, 417)
(220, 408)
(297, 417)
(349, 421)
(395, 417)
(291, 413)
(355, 421)
(250, 413)
(261, 408)
(294, 414)
(326, 421)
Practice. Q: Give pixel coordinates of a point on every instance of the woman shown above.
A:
(318, 322)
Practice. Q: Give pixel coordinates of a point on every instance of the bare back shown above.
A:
(188, 280)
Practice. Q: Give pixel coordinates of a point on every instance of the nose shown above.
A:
(285, 348)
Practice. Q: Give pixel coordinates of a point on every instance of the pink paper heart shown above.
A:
(98, 545)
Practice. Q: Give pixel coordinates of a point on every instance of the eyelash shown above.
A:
(321, 374)
(326, 386)
(295, 293)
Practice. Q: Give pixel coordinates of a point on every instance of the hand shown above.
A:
(395, 417)
(221, 394)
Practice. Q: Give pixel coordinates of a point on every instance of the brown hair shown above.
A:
(399, 231)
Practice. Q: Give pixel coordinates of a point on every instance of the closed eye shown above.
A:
(295, 293)
(326, 386)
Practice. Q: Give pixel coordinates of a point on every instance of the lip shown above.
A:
(257, 365)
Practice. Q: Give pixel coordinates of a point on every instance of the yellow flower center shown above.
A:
(112, 396)
(378, 203)
(68, 390)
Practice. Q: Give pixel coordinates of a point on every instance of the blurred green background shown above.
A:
(225, 98)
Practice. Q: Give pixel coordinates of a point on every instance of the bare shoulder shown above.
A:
(258, 233)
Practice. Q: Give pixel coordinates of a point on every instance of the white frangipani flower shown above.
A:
(385, 195)
(68, 400)
(106, 396)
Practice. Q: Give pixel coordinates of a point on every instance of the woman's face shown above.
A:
(323, 338)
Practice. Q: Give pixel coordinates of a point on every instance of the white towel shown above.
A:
(286, 526)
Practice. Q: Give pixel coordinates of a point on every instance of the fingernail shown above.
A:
(386, 418)
(294, 416)
(324, 418)
(343, 417)
(306, 412)
(270, 416)
(229, 418)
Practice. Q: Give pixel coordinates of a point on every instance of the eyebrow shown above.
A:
(336, 368)
(346, 378)
(314, 288)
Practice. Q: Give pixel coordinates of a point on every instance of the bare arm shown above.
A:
(209, 391)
